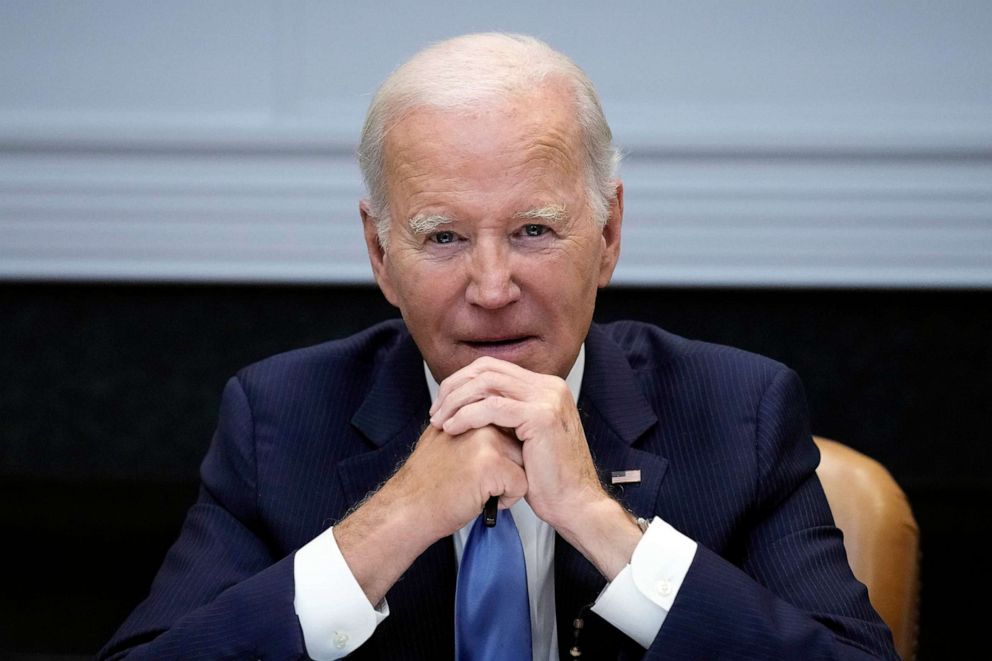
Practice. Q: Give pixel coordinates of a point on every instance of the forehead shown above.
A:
(526, 144)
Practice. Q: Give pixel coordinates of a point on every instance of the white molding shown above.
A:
(750, 198)
(642, 126)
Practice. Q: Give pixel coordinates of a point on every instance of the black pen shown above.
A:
(489, 511)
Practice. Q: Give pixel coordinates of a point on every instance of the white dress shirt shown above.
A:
(336, 616)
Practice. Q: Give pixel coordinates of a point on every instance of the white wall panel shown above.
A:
(768, 143)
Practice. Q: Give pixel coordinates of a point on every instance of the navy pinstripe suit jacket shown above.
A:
(720, 437)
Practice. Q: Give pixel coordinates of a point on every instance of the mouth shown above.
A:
(506, 348)
(496, 343)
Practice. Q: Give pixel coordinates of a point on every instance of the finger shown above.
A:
(514, 487)
(512, 448)
(498, 411)
(497, 446)
(502, 473)
(473, 370)
(484, 385)
(502, 441)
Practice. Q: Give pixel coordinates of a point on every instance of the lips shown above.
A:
(497, 342)
(512, 348)
(521, 350)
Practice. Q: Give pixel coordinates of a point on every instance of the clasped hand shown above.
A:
(537, 448)
(496, 429)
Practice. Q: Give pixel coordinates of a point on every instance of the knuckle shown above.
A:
(488, 381)
(484, 362)
(546, 412)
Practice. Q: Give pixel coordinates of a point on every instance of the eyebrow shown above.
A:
(425, 224)
(551, 213)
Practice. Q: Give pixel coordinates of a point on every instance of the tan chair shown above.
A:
(880, 535)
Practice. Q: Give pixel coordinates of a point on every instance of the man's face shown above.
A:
(493, 249)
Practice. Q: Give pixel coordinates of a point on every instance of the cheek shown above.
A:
(572, 277)
(426, 295)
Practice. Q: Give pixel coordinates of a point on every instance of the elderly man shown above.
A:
(341, 498)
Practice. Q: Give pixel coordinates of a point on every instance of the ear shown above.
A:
(611, 237)
(377, 254)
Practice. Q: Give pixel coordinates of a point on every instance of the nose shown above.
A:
(491, 285)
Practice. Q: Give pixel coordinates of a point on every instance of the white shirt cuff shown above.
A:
(638, 600)
(335, 615)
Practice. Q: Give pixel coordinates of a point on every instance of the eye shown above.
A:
(443, 237)
(533, 229)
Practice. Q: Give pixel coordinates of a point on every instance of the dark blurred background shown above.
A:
(110, 394)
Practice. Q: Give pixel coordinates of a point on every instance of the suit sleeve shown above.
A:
(793, 595)
(220, 593)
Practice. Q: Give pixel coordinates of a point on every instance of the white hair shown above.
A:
(462, 72)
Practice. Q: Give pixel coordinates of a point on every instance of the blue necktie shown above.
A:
(492, 615)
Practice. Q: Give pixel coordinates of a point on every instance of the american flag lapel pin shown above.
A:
(625, 477)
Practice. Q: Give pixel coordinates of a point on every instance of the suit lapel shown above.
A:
(615, 415)
(391, 418)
